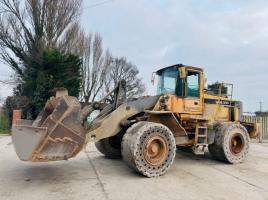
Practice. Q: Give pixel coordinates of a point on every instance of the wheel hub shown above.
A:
(237, 144)
(156, 150)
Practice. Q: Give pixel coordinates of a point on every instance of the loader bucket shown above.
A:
(56, 134)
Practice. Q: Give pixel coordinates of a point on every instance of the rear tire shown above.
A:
(110, 147)
(231, 143)
(149, 148)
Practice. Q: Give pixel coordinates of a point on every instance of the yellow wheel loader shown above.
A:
(145, 131)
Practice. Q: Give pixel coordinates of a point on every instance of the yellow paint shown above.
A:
(192, 111)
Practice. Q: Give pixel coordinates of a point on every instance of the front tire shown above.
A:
(110, 147)
(231, 143)
(149, 148)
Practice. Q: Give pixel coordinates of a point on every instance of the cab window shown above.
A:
(193, 84)
(167, 81)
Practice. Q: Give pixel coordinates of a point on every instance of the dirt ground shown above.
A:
(91, 176)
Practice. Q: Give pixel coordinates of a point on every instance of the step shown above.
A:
(201, 136)
(199, 149)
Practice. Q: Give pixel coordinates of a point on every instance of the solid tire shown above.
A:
(221, 149)
(134, 144)
(109, 147)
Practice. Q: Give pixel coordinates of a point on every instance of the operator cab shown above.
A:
(180, 80)
(185, 85)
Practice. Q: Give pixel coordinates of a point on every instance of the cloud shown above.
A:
(228, 38)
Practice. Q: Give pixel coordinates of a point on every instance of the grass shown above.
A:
(4, 128)
(4, 132)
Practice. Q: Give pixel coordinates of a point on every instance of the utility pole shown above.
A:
(260, 106)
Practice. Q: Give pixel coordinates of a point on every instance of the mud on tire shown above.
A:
(231, 143)
(149, 148)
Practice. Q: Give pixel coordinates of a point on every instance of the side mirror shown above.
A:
(182, 72)
(153, 78)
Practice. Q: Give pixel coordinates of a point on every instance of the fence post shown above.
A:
(266, 128)
(261, 129)
(16, 116)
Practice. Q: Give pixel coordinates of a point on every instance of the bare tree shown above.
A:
(96, 64)
(26, 30)
(1, 100)
(122, 69)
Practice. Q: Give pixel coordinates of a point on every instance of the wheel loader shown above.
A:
(144, 131)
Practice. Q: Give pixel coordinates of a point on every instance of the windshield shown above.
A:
(167, 81)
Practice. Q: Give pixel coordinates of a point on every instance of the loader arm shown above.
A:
(59, 131)
(111, 124)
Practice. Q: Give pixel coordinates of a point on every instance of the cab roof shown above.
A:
(178, 66)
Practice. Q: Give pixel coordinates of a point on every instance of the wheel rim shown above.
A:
(237, 144)
(156, 150)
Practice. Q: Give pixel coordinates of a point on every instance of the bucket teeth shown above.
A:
(56, 134)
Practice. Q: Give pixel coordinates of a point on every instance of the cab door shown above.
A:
(193, 102)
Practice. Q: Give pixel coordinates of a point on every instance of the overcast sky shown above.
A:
(228, 38)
